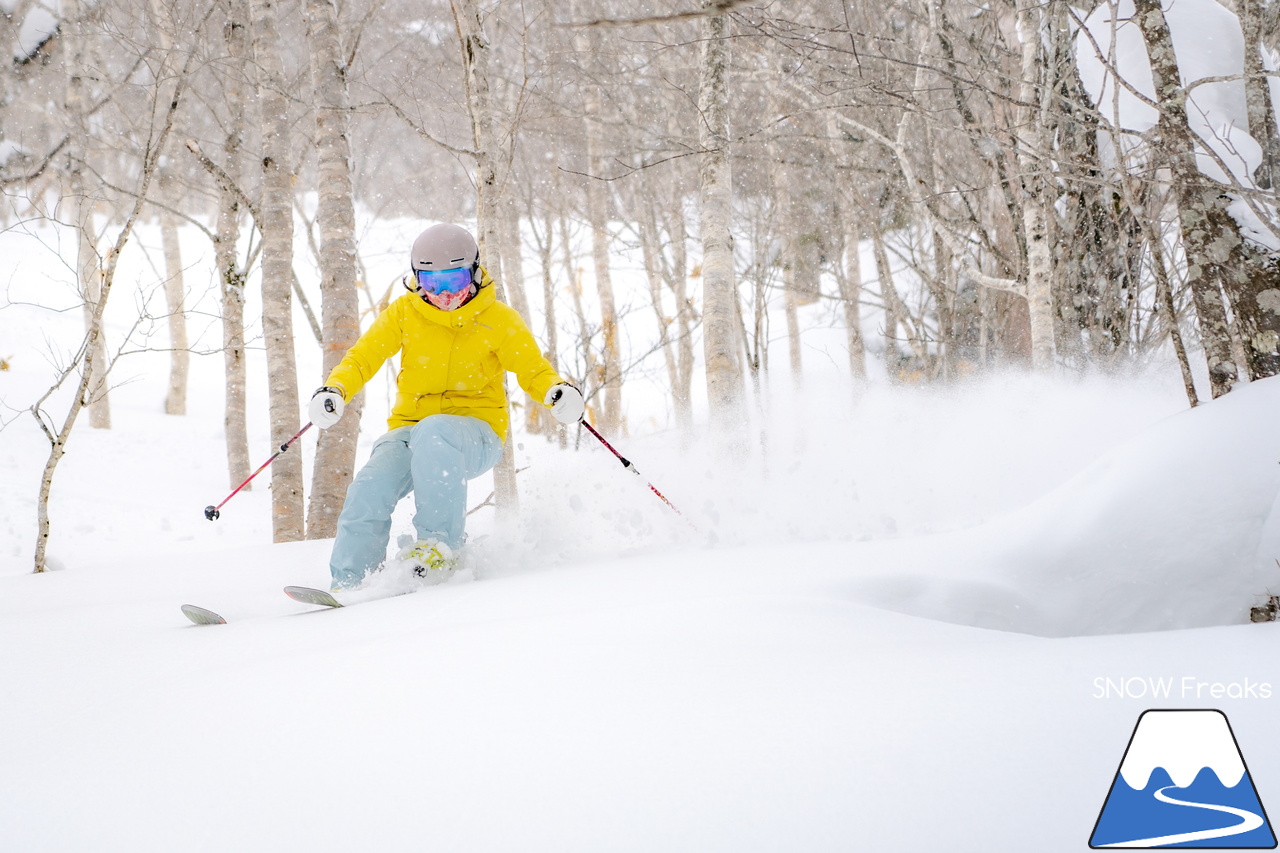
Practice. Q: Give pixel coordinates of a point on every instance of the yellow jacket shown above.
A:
(452, 362)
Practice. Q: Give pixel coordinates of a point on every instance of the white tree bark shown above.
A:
(850, 283)
(288, 523)
(684, 319)
(574, 273)
(1262, 117)
(235, 33)
(475, 59)
(849, 267)
(785, 226)
(336, 448)
(651, 252)
(1030, 142)
(1209, 236)
(598, 217)
(544, 241)
(88, 262)
(720, 293)
(175, 401)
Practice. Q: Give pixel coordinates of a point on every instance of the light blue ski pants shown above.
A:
(433, 458)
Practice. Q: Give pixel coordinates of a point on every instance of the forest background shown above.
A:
(954, 188)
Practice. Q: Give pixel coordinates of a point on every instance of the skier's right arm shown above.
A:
(367, 355)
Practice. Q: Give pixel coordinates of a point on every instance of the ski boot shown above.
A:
(431, 559)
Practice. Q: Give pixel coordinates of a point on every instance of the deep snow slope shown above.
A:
(691, 700)
(685, 696)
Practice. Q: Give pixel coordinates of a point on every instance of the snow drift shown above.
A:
(1177, 527)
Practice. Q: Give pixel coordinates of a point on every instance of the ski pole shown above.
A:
(211, 512)
(626, 463)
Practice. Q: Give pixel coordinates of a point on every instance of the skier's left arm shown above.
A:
(520, 355)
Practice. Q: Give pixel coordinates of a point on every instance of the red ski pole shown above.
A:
(626, 463)
(212, 513)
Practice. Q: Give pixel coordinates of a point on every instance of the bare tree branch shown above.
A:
(716, 7)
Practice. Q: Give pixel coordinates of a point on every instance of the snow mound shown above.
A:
(1178, 527)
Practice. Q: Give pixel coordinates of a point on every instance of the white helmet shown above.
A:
(444, 247)
(445, 264)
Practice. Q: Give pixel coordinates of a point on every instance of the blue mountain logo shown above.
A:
(1183, 783)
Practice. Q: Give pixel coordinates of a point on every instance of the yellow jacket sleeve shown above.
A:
(520, 355)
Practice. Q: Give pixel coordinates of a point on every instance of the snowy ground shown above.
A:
(915, 619)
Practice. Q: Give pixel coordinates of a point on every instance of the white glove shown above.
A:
(326, 407)
(566, 404)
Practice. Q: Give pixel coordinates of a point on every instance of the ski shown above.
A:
(200, 616)
(307, 595)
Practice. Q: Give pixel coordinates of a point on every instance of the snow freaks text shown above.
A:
(1186, 687)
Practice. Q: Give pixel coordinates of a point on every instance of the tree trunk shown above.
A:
(88, 263)
(175, 401)
(848, 266)
(551, 338)
(786, 227)
(1168, 310)
(1035, 219)
(893, 356)
(685, 318)
(598, 217)
(720, 293)
(850, 283)
(1210, 239)
(1262, 118)
(651, 252)
(512, 253)
(288, 522)
(1095, 277)
(336, 447)
(232, 276)
(538, 420)
(475, 58)
(574, 274)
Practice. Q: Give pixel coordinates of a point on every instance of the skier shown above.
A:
(449, 420)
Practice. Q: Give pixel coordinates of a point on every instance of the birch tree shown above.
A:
(276, 225)
(598, 217)
(175, 400)
(719, 286)
(480, 105)
(89, 372)
(88, 264)
(336, 448)
(1210, 238)
(1031, 141)
(847, 266)
(230, 275)
(1261, 112)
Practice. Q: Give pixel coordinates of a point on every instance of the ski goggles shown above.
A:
(443, 281)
